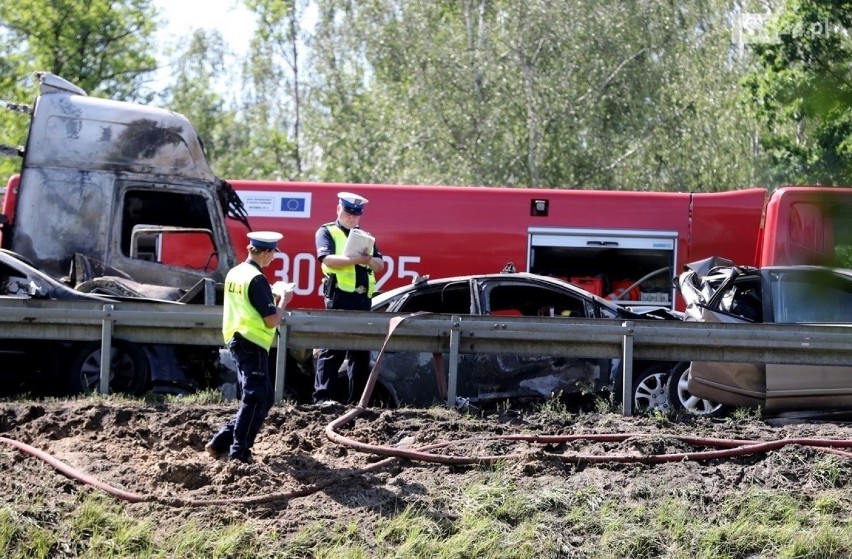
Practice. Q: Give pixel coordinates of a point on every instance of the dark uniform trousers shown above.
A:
(329, 360)
(258, 395)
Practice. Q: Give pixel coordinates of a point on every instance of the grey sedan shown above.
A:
(410, 378)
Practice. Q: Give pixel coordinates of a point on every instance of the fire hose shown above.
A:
(726, 448)
(132, 497)
(732, 447)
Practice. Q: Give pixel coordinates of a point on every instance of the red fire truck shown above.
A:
(139, 207)
(604, 241)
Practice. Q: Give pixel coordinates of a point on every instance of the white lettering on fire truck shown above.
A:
(303, 270)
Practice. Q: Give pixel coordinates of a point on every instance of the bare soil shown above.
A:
(155, 452)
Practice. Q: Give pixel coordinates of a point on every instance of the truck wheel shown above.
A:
(683, 402)
(129, 370)
(650, 389)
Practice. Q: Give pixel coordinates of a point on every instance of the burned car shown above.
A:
(58, 367)
(716, 290)
(411, 379)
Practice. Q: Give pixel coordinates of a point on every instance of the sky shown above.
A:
(234, 21)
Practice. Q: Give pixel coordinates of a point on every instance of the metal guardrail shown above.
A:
(577, 337)
(165, 323)
(161, 323)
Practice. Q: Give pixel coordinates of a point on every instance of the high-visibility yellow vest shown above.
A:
(346, 275)
(239, 314)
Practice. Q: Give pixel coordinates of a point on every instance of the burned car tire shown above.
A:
(650, 389)
(129, 370)
(683, 402)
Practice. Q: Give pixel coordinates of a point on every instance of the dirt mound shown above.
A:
(156, 452)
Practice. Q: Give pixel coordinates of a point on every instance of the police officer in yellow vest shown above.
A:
(249, 322)
(349, 283)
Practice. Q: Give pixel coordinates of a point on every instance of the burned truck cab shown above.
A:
(118, 198)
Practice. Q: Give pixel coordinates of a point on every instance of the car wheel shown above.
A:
(129, 370)
(649, 390)
(682, 400)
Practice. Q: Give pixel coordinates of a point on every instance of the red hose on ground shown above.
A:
(131, 497)
(70, 472)
(730, 448)
(733, 448)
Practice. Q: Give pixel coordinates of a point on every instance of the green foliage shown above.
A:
(22, 536)
(193, 93)
(607, 403)
(831, 472)
(613, 95)
(199, 397)
(610, 95)
(556, 408)
(800, 92)
(743, 414)
(105, 47)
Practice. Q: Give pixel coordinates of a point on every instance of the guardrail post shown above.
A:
(106, 349)
(627, 369)
(455, 334)
(281, 362)
(209, 292)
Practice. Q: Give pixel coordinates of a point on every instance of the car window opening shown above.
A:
(743, 299)
(515, 300)
(453, 298)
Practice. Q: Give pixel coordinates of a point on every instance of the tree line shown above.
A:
(700, 95)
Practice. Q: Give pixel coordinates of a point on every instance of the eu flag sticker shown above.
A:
(293, 204)
(276, 204)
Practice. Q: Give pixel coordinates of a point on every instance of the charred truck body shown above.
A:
(105, 186)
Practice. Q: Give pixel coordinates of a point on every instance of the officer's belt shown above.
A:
(360, 290)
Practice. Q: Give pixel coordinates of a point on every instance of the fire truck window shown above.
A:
(805, 232)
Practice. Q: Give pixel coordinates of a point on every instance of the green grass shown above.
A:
(200, 397)
(493, 515)
(555, 408)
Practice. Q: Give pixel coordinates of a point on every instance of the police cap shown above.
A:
(352, 204)
(265, 239)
